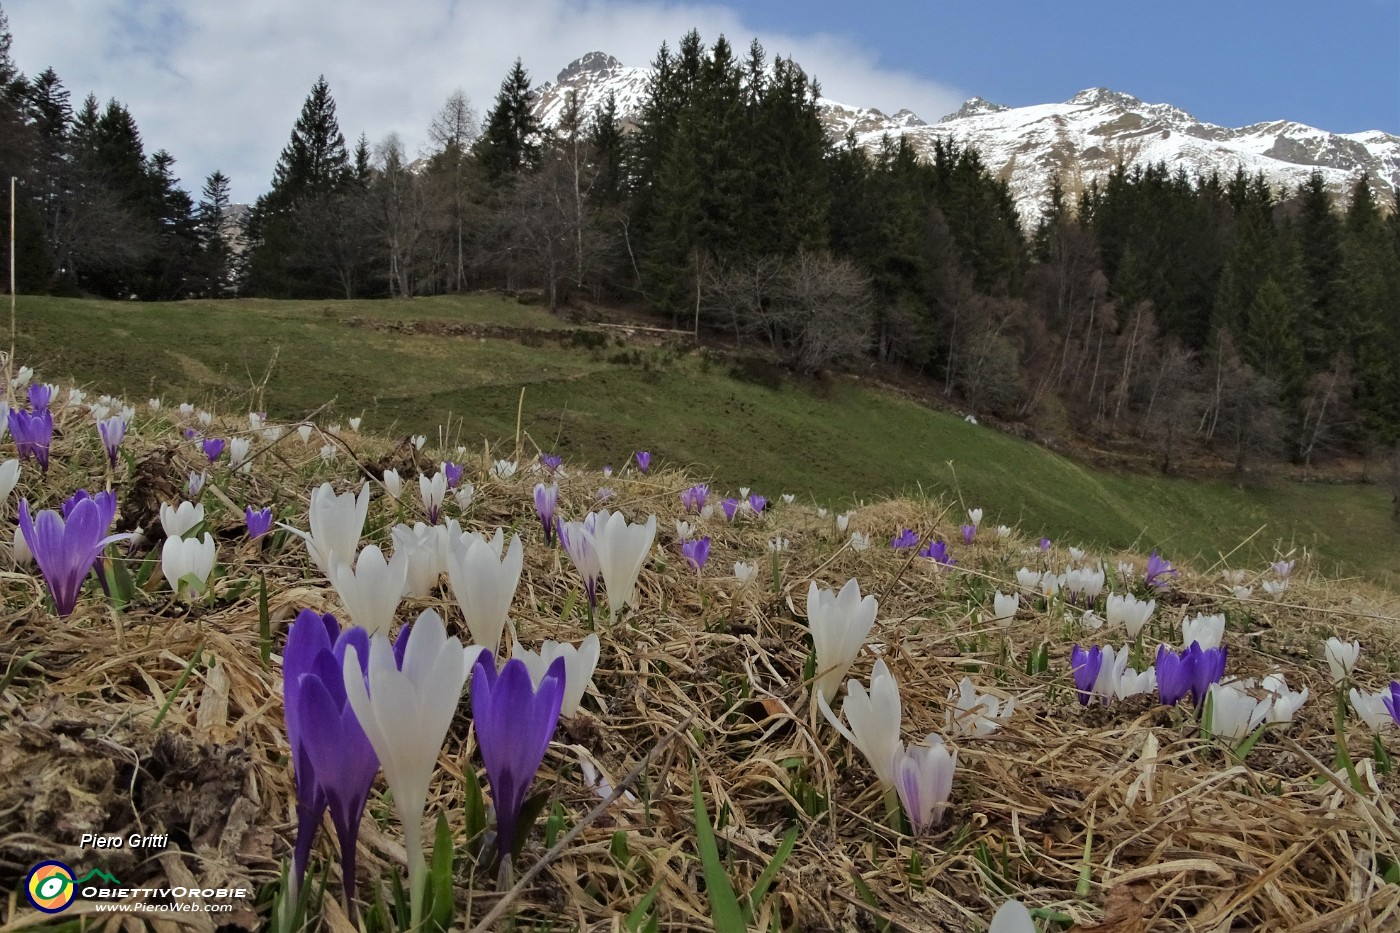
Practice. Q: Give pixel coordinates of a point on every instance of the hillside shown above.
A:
(459, 365)
(1080, 139)
(702, 780)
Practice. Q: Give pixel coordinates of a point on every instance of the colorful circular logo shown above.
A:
(50, 886)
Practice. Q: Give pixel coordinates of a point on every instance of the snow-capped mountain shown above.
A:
(1081, 138)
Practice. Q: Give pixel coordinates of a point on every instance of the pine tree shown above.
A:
(313, 168)
(511, 142)
(605, 141)
(216, 274)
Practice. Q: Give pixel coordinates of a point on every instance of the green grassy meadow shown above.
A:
(598, 405)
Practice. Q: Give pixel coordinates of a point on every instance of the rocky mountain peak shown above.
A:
(1100, 96)
(594, 64)
(974, 107)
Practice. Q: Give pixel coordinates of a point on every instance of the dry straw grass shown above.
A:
(1120, 818)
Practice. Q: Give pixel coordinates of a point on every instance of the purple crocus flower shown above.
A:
(514, 723)
(937, 551)
(905, 539)
(693, 499)
(65, 546)
(1391, 699)
(1209, 667)
(546, 499)
(969, 532)
(731, 508)
(213, 448)
(551, 462)
(697, 551)
(33, 434)
(643, 460)
(607, 469)
(332, 759)
(113, 432)
(195, 485)
(259, 522)
(1158, 570)
(1045, 544)
(40, 395)
(453, 472)
(1175, 673)
(191, 434)
(604, 494)
(757, 503)
(1085, 664)
(576, 538)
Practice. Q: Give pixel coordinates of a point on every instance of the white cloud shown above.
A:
(219, 84)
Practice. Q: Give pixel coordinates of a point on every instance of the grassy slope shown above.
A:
(851, 443)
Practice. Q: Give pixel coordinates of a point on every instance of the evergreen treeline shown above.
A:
(1264, 322)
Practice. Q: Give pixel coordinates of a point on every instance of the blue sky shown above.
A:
(219, 82)
(1332, 65)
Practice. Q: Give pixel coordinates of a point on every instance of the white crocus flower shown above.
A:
(19, 549)
(178, 521)
(1131, 683)
(337, 522)
(1341, 657)
(238, 448)
(743, 492)
(187, 563)
(1234, 713)
(1091, 621)
(1076, 554)
(1004, 607)
(503, 469)
(923, 776)
(821, 512)
(1003, 531)
(22, 377)
(1111, 672)
(255, 421)
(372, 589)
(843, 521)
(1275, 588)
(329, 452)
(433, 491)
(1126, 570)
(622, 548)
(1204, 630)
(355, 423)
(1028, 580)
(421, 549)
(1242, 592)
(974, 517)
(419, 440)
(579, 663)
(153, 404)
(1130, 612)
(1285, 702)
(464, 494)
(9, 476)
(205, 418)
(1012, 917)
(745, 572)
(706, 512)
(683, 529)
(788, 498)
(393, 484)
(874, 719)
(1085, 583)
(1050, 584)
(859, 542)
(839, 624)
(974, 713)
(483, 580)
(1371, 708)
(778, 544)
(272, 433)
(304, 432)
(186, 409)
(405, 712)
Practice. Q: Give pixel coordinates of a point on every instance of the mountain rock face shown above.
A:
(1081, 138)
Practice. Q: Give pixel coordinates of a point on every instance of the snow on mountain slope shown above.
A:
(1081, 138)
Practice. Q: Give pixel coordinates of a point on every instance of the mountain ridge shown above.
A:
(1081, 139)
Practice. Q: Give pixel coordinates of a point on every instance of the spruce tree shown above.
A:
(511, 142)
(216, 274)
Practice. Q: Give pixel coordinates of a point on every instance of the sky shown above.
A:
(219, 83)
